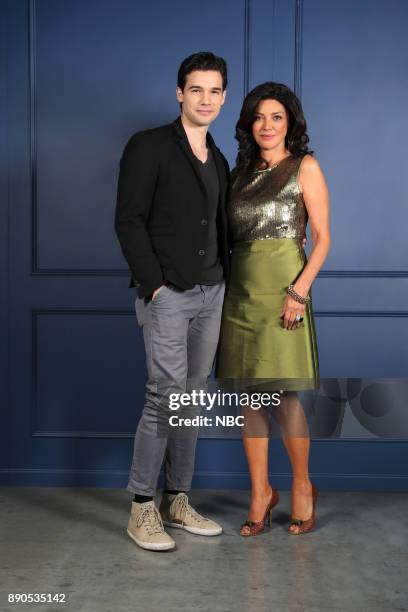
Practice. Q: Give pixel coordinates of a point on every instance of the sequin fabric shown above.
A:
(269, 204)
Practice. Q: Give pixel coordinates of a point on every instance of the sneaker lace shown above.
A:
(185, 509)
(150, 516)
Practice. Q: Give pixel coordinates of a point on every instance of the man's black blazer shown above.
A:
(162, 210)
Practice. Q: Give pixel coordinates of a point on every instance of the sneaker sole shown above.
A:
(151, 545)
(195, 530)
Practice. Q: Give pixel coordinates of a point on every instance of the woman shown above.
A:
(267, 333)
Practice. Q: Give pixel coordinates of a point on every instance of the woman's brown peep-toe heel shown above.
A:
(252, 528)
(308, 524)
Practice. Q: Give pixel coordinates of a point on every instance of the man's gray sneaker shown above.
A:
(177, 512)
(146, 527)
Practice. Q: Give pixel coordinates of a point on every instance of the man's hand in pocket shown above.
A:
(156, 291)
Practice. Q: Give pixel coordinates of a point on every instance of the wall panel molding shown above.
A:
(298, 53)
(5, 246)
(37, 433)
(202, 479)
(363, 274)
(297, 85)
(247, 46)
(108, 272)
(36, 270)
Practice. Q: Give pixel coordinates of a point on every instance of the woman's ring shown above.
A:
(298, 318)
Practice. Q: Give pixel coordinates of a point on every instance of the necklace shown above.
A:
(275, 164)
(278, 162)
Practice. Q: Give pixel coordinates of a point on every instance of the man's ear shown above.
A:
(179, 94)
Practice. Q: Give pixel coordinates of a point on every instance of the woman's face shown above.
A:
(270, 125)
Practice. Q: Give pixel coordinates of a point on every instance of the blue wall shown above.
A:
(76, 80)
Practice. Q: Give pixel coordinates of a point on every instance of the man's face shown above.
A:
(202, 97)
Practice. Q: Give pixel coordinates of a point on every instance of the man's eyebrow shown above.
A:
(199, 87)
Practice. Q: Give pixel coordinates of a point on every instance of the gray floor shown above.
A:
(73, 541)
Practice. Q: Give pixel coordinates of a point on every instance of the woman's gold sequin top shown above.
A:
(269, 204)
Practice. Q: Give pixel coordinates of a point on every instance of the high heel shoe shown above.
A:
(308, 524)
(252, 528)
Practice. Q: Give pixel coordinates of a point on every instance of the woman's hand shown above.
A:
(290, 309)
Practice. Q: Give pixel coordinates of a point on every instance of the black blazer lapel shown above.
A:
(221, 169)
(182, 140)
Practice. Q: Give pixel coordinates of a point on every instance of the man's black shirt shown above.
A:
(212, 270)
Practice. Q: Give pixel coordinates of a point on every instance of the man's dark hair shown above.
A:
(204, 60)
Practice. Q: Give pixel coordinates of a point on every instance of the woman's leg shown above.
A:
(256, 443)
(295, 436)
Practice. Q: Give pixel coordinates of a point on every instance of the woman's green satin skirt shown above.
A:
(253, 343)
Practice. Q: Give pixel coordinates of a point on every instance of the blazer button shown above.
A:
(203, 221)
(201, 252)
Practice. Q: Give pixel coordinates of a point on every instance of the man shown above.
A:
(171, 224)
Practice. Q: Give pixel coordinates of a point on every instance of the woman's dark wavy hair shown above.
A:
(249, 157)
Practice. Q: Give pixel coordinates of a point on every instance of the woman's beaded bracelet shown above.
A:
(299, 298)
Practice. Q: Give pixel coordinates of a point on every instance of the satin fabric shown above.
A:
(254, 346)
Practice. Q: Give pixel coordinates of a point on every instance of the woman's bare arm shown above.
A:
(316, 198)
